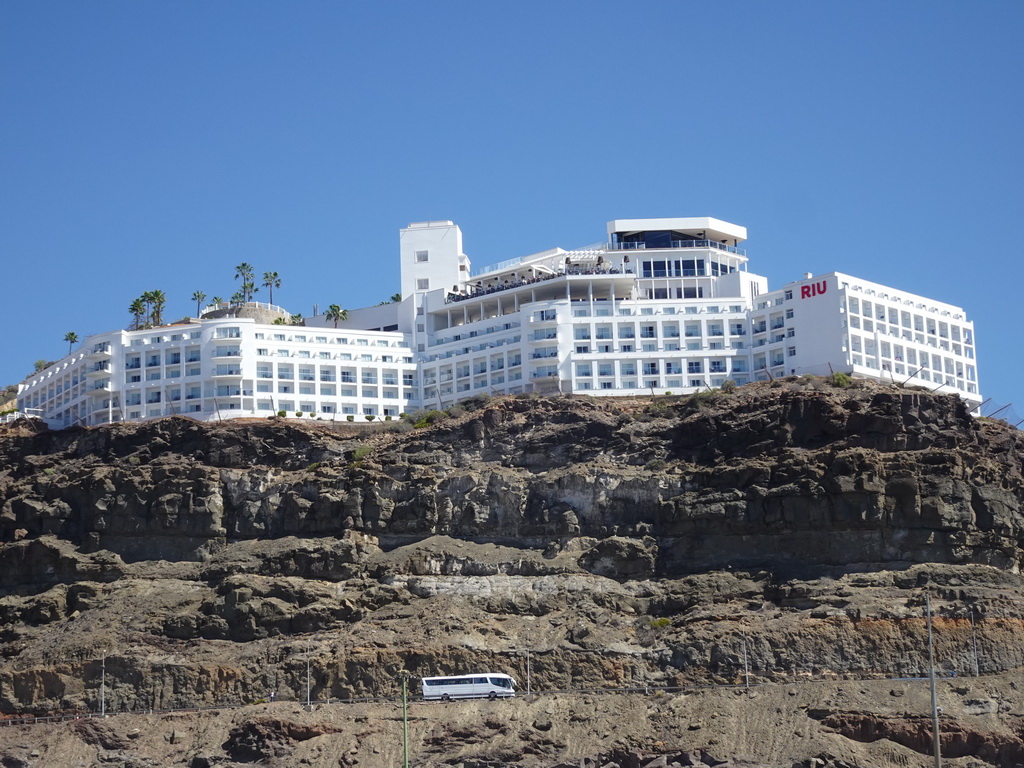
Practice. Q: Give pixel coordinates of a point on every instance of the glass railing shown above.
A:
(678, 244)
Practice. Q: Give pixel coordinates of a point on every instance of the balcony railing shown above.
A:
(679, 244)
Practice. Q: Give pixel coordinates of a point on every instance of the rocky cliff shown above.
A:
(781, 533)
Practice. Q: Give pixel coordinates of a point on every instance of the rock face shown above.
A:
(789, 477)
(780, 533)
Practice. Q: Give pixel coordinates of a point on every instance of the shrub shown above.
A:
(314, 466)
(298, 414)
(475, 402)
(397, 426)
(360, 452)
(387, 418)
(350, 417)
(369, 417)
(282, 414)
(661, 623)
(656, 464)
(430, 418)
(840, 379)
(728, 386)
(456, 410)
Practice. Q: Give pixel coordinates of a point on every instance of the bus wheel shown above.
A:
(445, 697)
(492, 695)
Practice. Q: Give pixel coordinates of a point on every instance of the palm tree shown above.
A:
(71, 338)
(271, 281)
(280, 321)
(336, 313)
(198, 297)
(295, 319)
(159, 299)
(147, 299)
(138, 309)
(217, 300)
(245, 273)
(238, 297)
(396, 298)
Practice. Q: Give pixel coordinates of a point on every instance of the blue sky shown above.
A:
(157, 145)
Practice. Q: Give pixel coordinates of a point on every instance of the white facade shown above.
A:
(223, 368)
(662, 305)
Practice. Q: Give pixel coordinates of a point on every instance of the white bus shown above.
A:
(478, 685)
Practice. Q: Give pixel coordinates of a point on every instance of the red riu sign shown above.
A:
(814, 289)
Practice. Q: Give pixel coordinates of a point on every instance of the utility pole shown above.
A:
(527, 652)
(103, 684)
(931, 678)
(974, 642)
(746, 662)
(309, 652)
(405, 720)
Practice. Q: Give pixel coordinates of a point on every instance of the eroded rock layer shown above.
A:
(781, 533)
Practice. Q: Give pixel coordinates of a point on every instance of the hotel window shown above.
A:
(423, 284)
(422, 256)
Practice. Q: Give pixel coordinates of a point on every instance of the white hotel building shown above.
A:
(661, 305)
